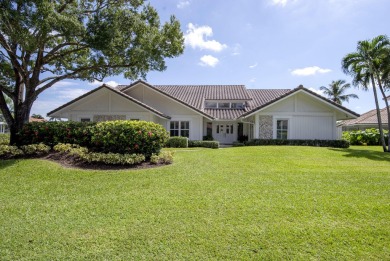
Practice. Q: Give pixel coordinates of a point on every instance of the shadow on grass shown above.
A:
(6, 163)
(364, 153)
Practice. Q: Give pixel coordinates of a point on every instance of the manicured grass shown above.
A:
(271, 203)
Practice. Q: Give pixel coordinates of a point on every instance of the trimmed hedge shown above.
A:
(52, 133)
(126, 137)
(177, 142)
(9, 152)
(314, 143)
(204, 144)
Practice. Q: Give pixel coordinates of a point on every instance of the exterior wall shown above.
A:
(307, 119)
(105, 105)
(266, 127)
(196, 125)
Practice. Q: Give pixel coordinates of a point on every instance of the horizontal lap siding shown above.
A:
(312, 127)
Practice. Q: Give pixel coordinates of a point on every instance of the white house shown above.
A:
(225, 112)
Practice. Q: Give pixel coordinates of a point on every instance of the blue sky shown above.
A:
(263, 44)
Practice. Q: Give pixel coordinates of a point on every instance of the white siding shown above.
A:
(311, 127)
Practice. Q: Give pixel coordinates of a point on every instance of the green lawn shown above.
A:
(271, 203)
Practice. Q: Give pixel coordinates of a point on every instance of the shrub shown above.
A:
(128, 137)
(203, 143)
(4, 139)
(52, 133)
(364, 137)
(7, 151)
(165, 157)
(177, 142)
(242, 138)
(35, 149)
(315, 143)
(238, 144)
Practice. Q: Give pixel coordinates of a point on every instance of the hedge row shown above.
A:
(8, 152)
(126, 137)
(177, 142)
(315, 143)
(204, 144)
(4, 139)
(364, 137)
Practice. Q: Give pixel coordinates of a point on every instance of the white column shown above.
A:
(257, 127)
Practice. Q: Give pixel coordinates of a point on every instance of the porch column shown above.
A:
(257, 127)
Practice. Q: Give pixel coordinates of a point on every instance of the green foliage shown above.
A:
(85, 155)
(364, 137)
(164, 157)
(238, 144)
(4, 139)
(52, 133)
(177, 142)
(124, 137)
(204, 144)
(315, 143)
(35, 149)
(7, 151)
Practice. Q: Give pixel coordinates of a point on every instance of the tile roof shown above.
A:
(367, 118)
(263, 96)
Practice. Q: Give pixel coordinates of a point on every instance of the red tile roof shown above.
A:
(368, 118)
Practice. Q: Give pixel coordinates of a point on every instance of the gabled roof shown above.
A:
(291, 92)
(368, 118)
(117, 92)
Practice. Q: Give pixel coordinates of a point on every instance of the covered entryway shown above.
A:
(225, 132)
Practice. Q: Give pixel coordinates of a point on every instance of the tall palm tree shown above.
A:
(336, 91)
(364, 66)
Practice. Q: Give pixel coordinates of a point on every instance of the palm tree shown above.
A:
(336, 91)
(364, 66)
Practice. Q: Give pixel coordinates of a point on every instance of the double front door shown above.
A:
(225, 133)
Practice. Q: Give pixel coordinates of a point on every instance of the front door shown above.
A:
(225, 133)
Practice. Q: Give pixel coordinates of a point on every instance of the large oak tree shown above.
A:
(43, 42)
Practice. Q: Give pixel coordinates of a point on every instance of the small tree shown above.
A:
(336, 91)
(46, 41)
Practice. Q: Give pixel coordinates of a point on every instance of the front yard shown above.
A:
(232, 203)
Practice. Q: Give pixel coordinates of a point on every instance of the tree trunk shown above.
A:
(378, 114)
(20, 119)
(388, 114)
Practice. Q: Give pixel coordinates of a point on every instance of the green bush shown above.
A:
(52, 133)
(203, 143)
(314, 143)
(238, 144)
(208, 137)
(364, 137)
(35, 149)
(128, 137)
(165, 157)
(177, 142)
(4, 139)
(7, 151)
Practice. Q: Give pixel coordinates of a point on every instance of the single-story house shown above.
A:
(367, 120)
(225, 112)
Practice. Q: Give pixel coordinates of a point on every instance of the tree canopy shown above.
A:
(369, 65)
(43, 42)
(336, 91)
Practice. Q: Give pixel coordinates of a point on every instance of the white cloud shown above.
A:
(183, 4)
(309, 71)
(236, 50)
(317, 91)
(252, 80)
(70, 94)
(279, 2)
(196, 37)
(253, 66)
(112, 83)
(208, 60)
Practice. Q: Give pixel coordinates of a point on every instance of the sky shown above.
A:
(262, 44)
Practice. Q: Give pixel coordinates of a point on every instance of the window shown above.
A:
(223, 105)
(282, 129)
(85, 119)
(211, 105)
(209, 130)
(180, 128)
(237, 106)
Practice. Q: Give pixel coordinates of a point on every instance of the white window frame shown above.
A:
(179, 128)
(275, 125)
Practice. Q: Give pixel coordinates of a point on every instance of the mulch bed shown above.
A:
(69, 161)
